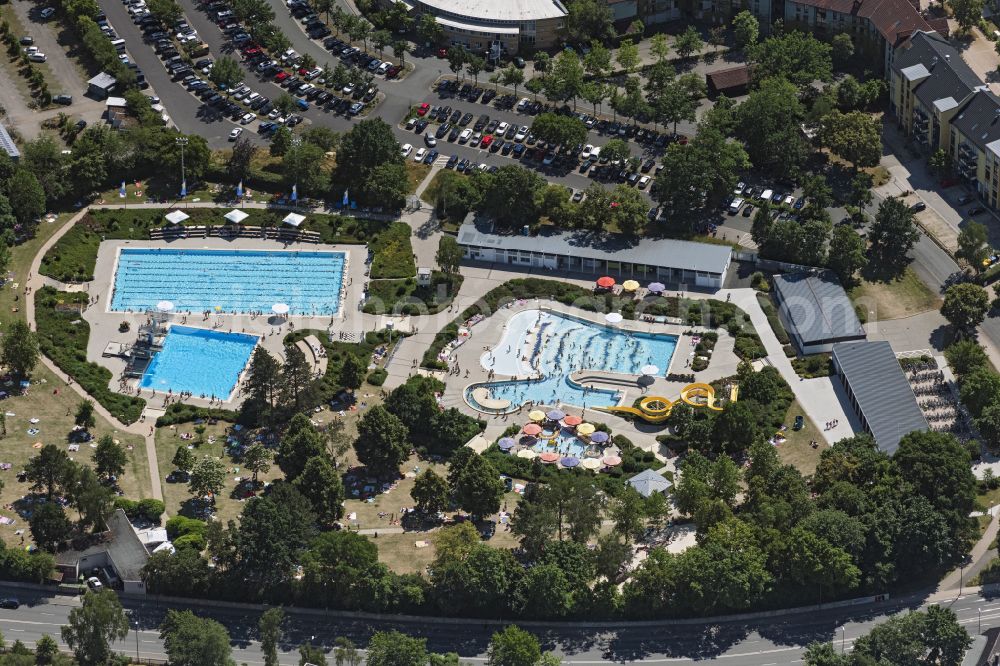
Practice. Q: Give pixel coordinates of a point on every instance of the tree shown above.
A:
(746, 29)
(964, 356)
(392, 648)
(934, 637)
(847, 253)
(109, 458)
(768, 123)
(565, 78)
(544, 592)
(322, 486)
(238, 165)
(225, 73)
(796, 56)
(370, 166)
(589, 20)
(688, 43)
(627, 513)
(46, 650)
(19, 349)
(559, 130)
(190, 640)
(263, 383)
(449, 254)
(854, 136)
(315, 654)
(26, 197)
(49, 470)
(979, 389)
(967, 12)
(296, 378)
(627, 56)
(478, 488)
(513, 647)
(659, 46)
(93, 626)
(183, 459)
(475, 64)
(382, 444)
(429, 30)
(988, 423)
(271, 632)
(400, 48)
(380, 40)
(842, 48)
(208, 476)
(893, 233)
(973, 244)
(353, 371)
(257, 459)
(430, 492)
(49, 526)
(457, 57)
(345, 653)
(85, 414)
(678, 99)
(965, 306)
(299, 444)
(509, 197)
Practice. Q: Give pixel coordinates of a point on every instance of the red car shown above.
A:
(423, 109)
(486, 141)
(281, 76)
(442, 53)
(251, 51)
(303, 71)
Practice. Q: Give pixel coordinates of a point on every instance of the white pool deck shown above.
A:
(104, 324)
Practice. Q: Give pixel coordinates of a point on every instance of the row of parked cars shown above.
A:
(138, 11)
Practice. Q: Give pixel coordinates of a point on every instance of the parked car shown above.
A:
(235, 134)
(10, 603)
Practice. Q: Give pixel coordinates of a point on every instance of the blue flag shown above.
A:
(121, 190)
(184, 188)
(347, 200)
(295, 193)
(239, 190)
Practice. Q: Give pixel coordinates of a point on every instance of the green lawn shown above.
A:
(393, 253)
(797, 450)
(902, 297)
(405, 297)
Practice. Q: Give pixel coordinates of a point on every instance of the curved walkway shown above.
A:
(36, 282)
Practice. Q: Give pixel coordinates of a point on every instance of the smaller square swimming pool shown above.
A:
(203, 362)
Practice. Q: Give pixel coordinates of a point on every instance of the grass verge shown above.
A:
(405, 297)
(902, 297)
(393, 253)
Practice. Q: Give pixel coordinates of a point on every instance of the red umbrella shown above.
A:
(531, 429)
(612, 461)
(572, 420)
(606, 282)
(549, 457)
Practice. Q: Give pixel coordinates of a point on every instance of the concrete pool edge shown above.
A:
(122, 245)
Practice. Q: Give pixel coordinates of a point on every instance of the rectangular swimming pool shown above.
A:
(207, 363)
(232, 281)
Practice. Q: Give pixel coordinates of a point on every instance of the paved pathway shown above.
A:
(36, 282)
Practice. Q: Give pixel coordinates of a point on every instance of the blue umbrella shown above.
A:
(570, 461)
(528, 440)
(555, 415)
(506, 443)
(599, 437)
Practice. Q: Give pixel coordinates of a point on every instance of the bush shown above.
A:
(377, 377)
(63, 337)
(816, 365)
(392, 253)
(179, 526)
(191, 540)
(759, 282)
(177, 413)
(152, 508)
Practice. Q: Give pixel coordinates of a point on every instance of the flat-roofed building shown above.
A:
(8, 145)
(878, 391)
(664, 260)
(816, 311)
(480, 24)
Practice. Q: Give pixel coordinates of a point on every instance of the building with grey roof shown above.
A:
(649, 481)
(677, 262)
(878, 391)
(8, 145)
(101, 85)
(120, 549)
(816, 311)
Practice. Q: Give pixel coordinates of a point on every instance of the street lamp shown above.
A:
(843, 638)
(136, 641)
(979, 611)
(182, 141)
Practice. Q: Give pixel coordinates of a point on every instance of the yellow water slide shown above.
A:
(656, 409)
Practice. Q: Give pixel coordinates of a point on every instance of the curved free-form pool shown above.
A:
(553, 346)
(203, 362)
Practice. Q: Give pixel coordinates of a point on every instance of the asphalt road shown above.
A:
(766, 642)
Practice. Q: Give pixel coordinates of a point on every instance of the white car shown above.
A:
(348, 89)
(643, 182)
(235, 134)
(38, 56)
(94, 584)
(588, 150)
(523, 103)
(247, 118)
(274, 114)
(406, 150)
(502, 128)
(47, 12)
(522, 132)
(740, 186)
(411, 123)
(419, 155)
(464, 136)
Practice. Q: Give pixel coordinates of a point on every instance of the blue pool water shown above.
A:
(565, 444)
(234, 281)
(564, 345)
(199, 360)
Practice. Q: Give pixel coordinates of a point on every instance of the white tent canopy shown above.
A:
(236, 216)
(280, 308)
(650, 370)
(613, 318)
(176, 217)
(164, 306)
(294, 219)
